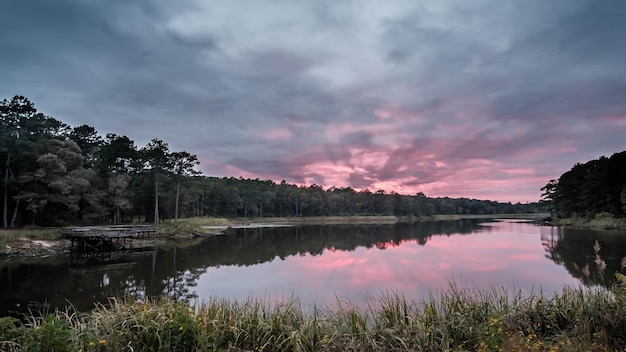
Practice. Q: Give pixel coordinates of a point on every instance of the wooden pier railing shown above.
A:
(105, 239)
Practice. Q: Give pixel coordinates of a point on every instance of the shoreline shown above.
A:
(45, 242)
(607, 223)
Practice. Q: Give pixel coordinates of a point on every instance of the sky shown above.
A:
(485, 99)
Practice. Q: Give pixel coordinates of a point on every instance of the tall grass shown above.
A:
(457, 319)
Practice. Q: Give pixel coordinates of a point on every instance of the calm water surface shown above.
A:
(319, 263)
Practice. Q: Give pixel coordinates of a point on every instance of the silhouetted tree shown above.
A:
(590, 188)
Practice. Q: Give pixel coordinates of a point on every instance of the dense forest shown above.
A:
(597, 186)
(54, 174)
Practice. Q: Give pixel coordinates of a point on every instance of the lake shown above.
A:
(320, 263)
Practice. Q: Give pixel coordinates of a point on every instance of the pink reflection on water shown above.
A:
(508, 255)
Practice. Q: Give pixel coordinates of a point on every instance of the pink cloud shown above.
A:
(464, 178)
(364, 159)
(278, 134)
(619, 119)
(520, 171)
(383, 114)
(398, 114)
(567, 150)
(524, 258)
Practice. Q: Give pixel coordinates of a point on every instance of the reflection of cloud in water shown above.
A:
(592, 256)
(509, 259)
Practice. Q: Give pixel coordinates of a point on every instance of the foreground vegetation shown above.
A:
(577, 319)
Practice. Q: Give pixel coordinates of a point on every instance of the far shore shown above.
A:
(380, 219)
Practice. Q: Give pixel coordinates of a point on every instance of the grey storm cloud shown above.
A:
(451, 98)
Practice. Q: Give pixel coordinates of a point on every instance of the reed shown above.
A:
(457, 319)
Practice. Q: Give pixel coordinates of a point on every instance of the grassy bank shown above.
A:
(601, 221)
(189, 227)
(455, 320)
(487, 216)
(9, 235)
(311, 220)
(31, 241)
(380, 219)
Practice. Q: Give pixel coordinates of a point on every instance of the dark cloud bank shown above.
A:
(482, 99)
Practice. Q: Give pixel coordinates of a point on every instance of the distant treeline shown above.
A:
(244, 197)
(55, 174)
(597, 186)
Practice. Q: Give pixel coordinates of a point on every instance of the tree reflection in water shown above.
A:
(592, 256)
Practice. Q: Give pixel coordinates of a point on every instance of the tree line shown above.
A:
(54, 174)
(237, 197)
(597, 186)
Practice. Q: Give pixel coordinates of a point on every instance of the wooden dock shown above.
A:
(100, 239)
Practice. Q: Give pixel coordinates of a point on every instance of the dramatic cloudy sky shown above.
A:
(484, 99)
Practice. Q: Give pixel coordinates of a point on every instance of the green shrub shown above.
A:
(49, 334)
(10, 329)
(604, 216)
